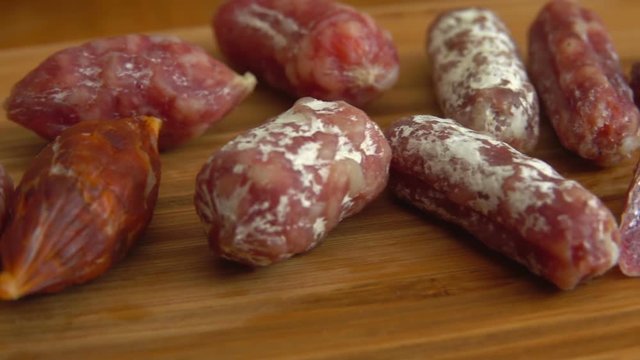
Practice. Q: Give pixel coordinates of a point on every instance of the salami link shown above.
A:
(125, 76)
(479, 78)
(80, 206)
(317, 48)
(580, 81)
(630, 229)
(635, 82)
(277, 190)
(514, 204)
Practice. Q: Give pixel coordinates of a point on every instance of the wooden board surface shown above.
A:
(387, 283)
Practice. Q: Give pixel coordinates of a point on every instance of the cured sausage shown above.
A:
(630, 229)
(317, 48)
(479, 78)
(277, 190)
(580, 81)
(514, 204)
(82, 203)
(125, 76)
(635, 82)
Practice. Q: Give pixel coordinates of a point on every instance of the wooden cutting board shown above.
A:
(387, 283)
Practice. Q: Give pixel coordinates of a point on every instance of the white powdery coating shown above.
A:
(263, 20)
(459, 158)
(307, 159)
(466, 73)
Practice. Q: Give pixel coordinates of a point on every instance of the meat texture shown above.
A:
(317, 48)
(578, 75)
(6, 197)
(479, 78)
(514, 204)
(82, 203)
(635, 82)
(126, 76)
(277, 190)
(630, 229)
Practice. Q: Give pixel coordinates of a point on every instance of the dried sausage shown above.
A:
(125, 76)
(514, 204)
(277, 190)
(317, 48)
(83, 202)
(479, 78)
(580, 81)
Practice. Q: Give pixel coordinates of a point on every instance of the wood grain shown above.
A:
(387, 283)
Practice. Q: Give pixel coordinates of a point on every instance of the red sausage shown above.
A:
(580, 82)
(514, 204)
(277, 190)
(317, 48)
(125, 76)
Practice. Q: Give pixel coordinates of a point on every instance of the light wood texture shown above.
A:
(387, 283)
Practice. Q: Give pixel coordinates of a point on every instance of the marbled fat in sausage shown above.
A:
(578, 75)
(630, 229)
(317, 48)
(514, 204)
(479, 78)
(124, 76)
(277, 190)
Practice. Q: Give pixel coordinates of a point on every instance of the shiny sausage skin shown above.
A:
(317, 48)
(479, 78)
(82, 203)
(278, 190)
(514, 204)
(579, 79)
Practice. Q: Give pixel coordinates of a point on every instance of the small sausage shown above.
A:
(581, 84)
(277, 190)
(82, 203)
(630, 229)
(479, 78)
(317, 48)
(6, 197)
(125, 76)
(514, 204)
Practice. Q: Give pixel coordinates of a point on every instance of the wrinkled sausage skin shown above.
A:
(479, 78)
(277, 190)
(125, 76)
(82, 203)
(514, 204)
(579, 79)
(317, 48)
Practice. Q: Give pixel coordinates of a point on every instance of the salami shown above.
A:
(125, 76)
(630, 229)
(514, 204)
(580, 81)
(317, 48)
(6, 196)
(479, 78)
(80, 206)
(277, 190)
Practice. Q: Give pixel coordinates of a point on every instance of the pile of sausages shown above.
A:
(277, 190)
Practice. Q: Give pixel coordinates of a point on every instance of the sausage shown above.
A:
(6, 197)
(82, 203)
(124, 76)
(630, 229)
(580, 81)
(277, 190)
(317, 48)
(514, 204)
(479, 78)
